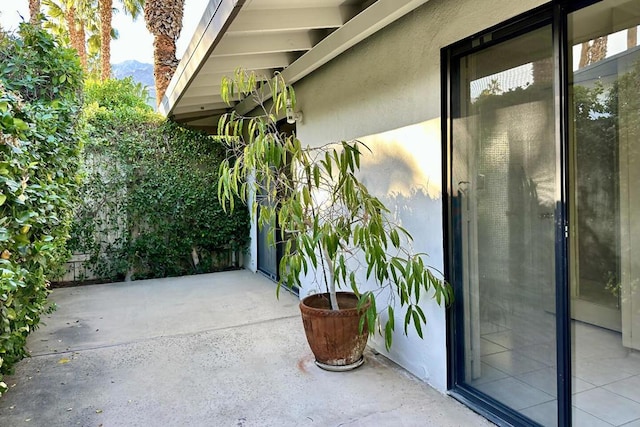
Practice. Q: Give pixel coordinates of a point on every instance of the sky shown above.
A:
(134, 41)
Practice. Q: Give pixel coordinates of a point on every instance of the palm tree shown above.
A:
(34, 11)
(77, 34)
(71, 17)
(164, 21)
(105, 9)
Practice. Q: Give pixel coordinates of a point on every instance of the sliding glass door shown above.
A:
(504, 169)
(604, 180)
(543, 143)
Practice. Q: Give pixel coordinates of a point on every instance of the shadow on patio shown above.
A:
(208, 350)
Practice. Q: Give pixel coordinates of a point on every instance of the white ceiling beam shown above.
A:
(203, 98)
(205, 81)
(205, 122)
(198, 97)
(210, 106)
(203, 85)
(212, 115)
(264, 43)
(280, 20)
(228, 64)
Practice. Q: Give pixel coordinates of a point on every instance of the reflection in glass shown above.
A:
(604, 178)
(504, 174)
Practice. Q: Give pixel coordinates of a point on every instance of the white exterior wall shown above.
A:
(387, 82)
(250, 258)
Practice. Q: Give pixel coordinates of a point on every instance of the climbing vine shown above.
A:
(149, 206)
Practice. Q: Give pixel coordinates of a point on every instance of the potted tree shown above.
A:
(334, 232)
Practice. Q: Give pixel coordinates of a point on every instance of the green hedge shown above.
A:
(150, 196)
(40, 101)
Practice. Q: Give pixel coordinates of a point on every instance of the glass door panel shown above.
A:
(505, 179)
(604, 178)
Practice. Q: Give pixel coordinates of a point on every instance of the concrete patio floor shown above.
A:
(208, 350)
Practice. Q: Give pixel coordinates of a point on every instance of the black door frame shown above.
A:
(555, 14)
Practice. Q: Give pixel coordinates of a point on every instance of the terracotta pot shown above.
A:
(334, 336)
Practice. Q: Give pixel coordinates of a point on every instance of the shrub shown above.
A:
(40, 100)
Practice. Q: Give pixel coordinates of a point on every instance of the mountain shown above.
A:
(140, 72)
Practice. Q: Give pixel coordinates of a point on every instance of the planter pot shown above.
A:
(334, 336)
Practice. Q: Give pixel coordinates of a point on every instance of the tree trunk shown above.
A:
(593, 51)
(34, 11)
(164, 64)
(331, 285)
(164, 20)
(599, 49)
(584, 55)
(82, 46)
(105, 7)
(632, 37)
(76, 35)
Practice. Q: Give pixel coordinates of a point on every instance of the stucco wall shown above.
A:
(385, 83)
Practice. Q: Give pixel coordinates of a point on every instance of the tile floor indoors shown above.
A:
(519, 370)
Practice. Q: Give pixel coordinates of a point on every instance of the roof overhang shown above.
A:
(293, 37)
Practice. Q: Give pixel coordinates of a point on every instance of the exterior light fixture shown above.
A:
(293, 116)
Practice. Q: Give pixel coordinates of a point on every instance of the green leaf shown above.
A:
(396, 262)
(371, 317)
(316, 175)
(20, 124)
(352, 282)
(395, 239)
(370, 266)
(327, 163)
(407, 320)
(417, 324)
(306, 196)
(421, 314)
(388, 335)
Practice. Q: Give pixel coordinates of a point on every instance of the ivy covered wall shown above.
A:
(149, 203)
